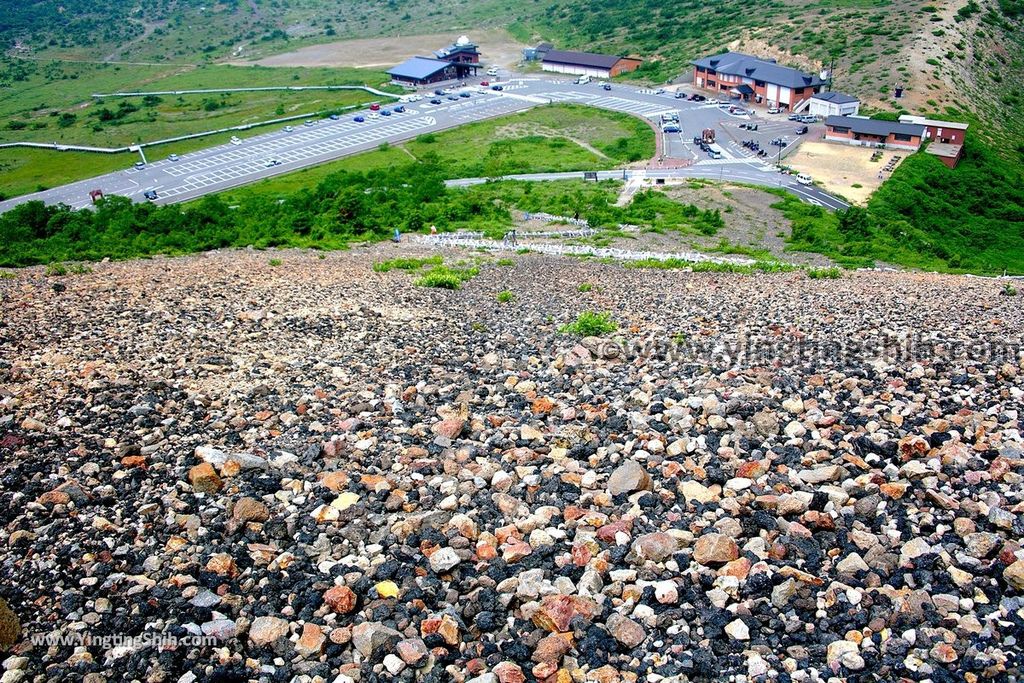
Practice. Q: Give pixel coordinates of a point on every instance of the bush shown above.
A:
(56, 269)
(505, 262)
(505, 297)
(824, 273)
(585, 287)
(406, 264)
(444, 277)
(590, 324)
(275, 262)
(1008, 290)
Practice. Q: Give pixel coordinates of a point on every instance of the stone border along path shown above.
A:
(457, 240)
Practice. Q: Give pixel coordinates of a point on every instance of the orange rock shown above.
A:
(341, 599)
(222, 564)
(543, 406)
(134, 461)
(205, 479)
(335, 481)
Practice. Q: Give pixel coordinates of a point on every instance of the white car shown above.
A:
(493, 71)
(774, 110)
(235, 140)
(173, 157)
(804, 179)
(288, 129)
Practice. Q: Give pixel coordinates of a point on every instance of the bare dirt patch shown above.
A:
(840, 168)
(496, 47)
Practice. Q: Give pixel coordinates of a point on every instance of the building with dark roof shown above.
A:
(857, 130)
(462, 51)
(588, 64)
(825, 104)
(459, 60)
(762, 81)
(423, 70)
(533, 54)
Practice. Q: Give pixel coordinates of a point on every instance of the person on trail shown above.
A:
(433, 229)
(397, 237)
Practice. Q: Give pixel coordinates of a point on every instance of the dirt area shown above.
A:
(749, 222)
(496, 47)
(840, 167)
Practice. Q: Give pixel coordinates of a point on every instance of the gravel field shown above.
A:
(213, 468)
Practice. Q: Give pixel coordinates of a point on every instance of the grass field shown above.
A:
(484, 148)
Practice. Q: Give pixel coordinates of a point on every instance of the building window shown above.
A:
(901, 137)
(839, 129)
(759, 84)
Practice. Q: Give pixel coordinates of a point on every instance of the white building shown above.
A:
(825, 104)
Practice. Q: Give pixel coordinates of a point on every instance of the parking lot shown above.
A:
(283, 150)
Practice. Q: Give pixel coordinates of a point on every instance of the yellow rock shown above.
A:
(387, 589)
(345, 501)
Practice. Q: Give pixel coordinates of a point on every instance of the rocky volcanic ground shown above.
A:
(316, 472)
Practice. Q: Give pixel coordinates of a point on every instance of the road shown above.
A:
(281, 151)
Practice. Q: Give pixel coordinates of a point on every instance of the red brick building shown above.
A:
(856, 130)
(761, 81)
(946, 138)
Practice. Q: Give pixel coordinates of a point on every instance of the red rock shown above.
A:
(54, 497)
(544, 671)
(250, 510)
(507, 672)
(552, 648)
(715, 549)
(752, 469)
(449, 428)
(134, 461)
(607, 532)
(515, 550)
(341, 599)
(543, 406)
(311, 642)
(412, 651)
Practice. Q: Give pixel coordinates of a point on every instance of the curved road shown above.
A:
(280, 151)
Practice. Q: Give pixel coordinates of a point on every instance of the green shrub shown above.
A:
(55, 269)
(585, 287)
(590, 324)
(275, 262)
(1008, 290)
(505, 262)
(824, 273)
(505, 297)
(7, 275)
(406, 264)
(444, 277)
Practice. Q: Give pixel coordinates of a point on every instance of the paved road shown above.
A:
(225, 166)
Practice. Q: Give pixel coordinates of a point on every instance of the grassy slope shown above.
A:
(485, 148)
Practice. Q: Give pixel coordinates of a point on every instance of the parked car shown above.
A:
(375, 106)
(435, 101)
(497, 87)
(607, 86)
(288, 129)
(804, 179)
(802, 130)
(439, 92)
(309, 122)
(680, 95)
(235, 140)
(697, 97)
(672, 128)
(173, 157)
(485, 83)
(385, 112)
(334, 117)
(808, 119)
(453, 97)
(464, 93)
(659, 91)
(795, 117)
(493, 71)
(774, 110)
(399, 109)
(713, 100)
(150, 194)
(272, 162)
(359, 119)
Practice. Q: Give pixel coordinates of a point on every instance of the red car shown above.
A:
(374, 107)
(484, 83)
